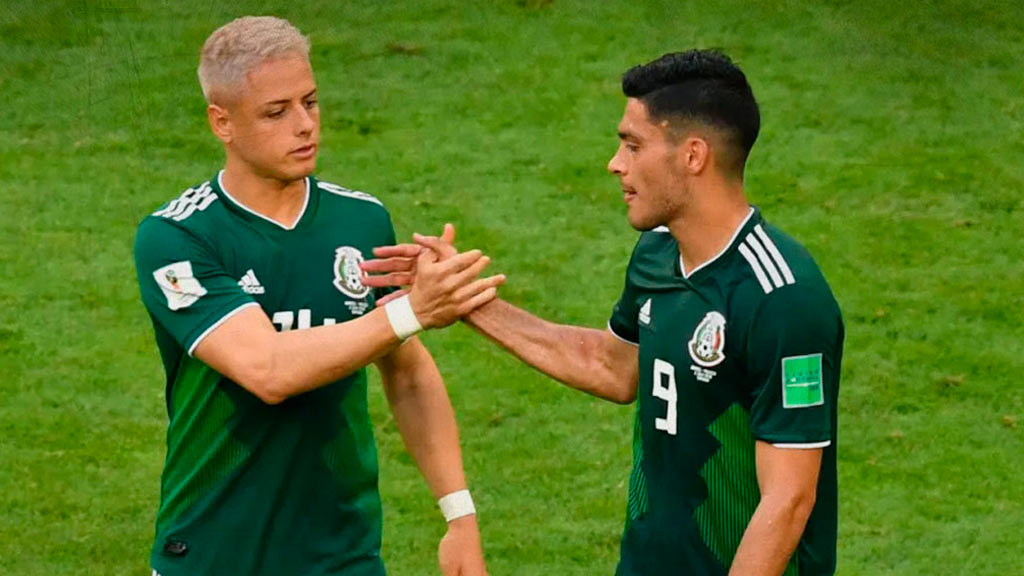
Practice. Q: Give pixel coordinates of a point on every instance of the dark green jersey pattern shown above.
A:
(747, 347)
(249, 488)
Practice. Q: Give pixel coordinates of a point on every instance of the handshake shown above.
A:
(442, 284)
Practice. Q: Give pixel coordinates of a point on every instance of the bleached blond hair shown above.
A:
(238, 47)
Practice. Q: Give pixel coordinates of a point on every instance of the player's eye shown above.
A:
(311, 103)
(632, 147)
(275, 113)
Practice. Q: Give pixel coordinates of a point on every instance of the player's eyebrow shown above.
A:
(287, 100)
(624, 135)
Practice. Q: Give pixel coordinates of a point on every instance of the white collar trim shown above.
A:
(682, 267)
(305, 204)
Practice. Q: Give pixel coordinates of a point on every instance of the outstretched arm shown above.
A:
(591, 360)
(277, 365)
(594, 361)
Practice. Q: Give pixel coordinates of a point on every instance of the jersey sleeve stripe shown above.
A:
(766, 285)
(765, 260)
(207, 201)
(217, 324)
(178, 203)
(806, 446)
(626, 340)
(189, 202)
(776, 255)
(188, 209)
(342, 191)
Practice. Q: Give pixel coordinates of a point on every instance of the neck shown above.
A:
(279, 200)
(708, 224)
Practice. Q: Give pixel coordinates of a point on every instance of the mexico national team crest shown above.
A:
(708, 343)
(347, 275)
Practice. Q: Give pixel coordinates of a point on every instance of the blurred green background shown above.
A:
(891, 147)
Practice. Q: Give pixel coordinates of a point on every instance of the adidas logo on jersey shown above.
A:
(250, 285)
(645, 313)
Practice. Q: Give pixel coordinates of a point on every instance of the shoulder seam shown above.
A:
(342, 191)
(191, 201)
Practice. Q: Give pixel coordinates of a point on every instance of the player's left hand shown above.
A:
(395, 266)
(460, 552)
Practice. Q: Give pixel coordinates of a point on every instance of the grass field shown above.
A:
(891, 146)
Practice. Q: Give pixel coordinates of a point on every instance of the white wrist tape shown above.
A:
(403, 319)
(456, 505)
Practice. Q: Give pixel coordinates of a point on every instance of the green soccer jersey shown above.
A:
(746, 347)
(250, 488)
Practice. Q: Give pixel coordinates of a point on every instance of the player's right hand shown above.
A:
(395, 266)
(446, 289)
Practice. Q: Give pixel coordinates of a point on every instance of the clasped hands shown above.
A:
(443, 285)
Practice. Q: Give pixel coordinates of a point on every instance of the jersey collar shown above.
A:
(746, 223)
(251, 214)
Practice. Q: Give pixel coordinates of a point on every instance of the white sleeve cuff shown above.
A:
(806, 446)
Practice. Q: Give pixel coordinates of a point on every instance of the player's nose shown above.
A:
(616, 165)
(305, 121)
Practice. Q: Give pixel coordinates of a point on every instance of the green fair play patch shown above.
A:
(801, 381)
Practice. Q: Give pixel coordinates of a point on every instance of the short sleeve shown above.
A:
(183, 286)
(794, 352)
(388, 239)
(623, 321)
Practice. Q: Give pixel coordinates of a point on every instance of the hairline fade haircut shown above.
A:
(238, 47)
(702, 87)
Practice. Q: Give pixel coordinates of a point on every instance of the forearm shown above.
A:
(424, 415)
(770, 538)
(572, 355)
(277, 365)
(307, 359)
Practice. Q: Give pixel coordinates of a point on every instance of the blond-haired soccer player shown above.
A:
(252, 281)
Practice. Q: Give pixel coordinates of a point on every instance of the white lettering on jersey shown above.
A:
(665, 389)
(285, 320)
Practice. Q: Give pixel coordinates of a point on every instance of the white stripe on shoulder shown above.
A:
(774, 251)
(178, 204)
(807, 446)
(342, 191)
(751, 241)
(191, 201)
(766, 284)
(661, 229)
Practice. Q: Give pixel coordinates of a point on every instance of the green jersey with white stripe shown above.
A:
(250, 488)
(746, 347)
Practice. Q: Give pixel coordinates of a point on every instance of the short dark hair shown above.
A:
(702, 86)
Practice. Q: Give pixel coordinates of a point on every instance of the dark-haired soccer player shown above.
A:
(252, 281)
(726, 333)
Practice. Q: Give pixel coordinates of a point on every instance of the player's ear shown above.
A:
(695, 154)
(220, 122)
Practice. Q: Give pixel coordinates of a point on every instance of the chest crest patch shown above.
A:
(347, 275)
(708, 343)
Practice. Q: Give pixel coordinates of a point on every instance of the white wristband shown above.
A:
(456, 505)
(402, 318)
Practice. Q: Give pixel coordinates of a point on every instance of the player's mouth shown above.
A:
(628, 194)
(304, 153)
